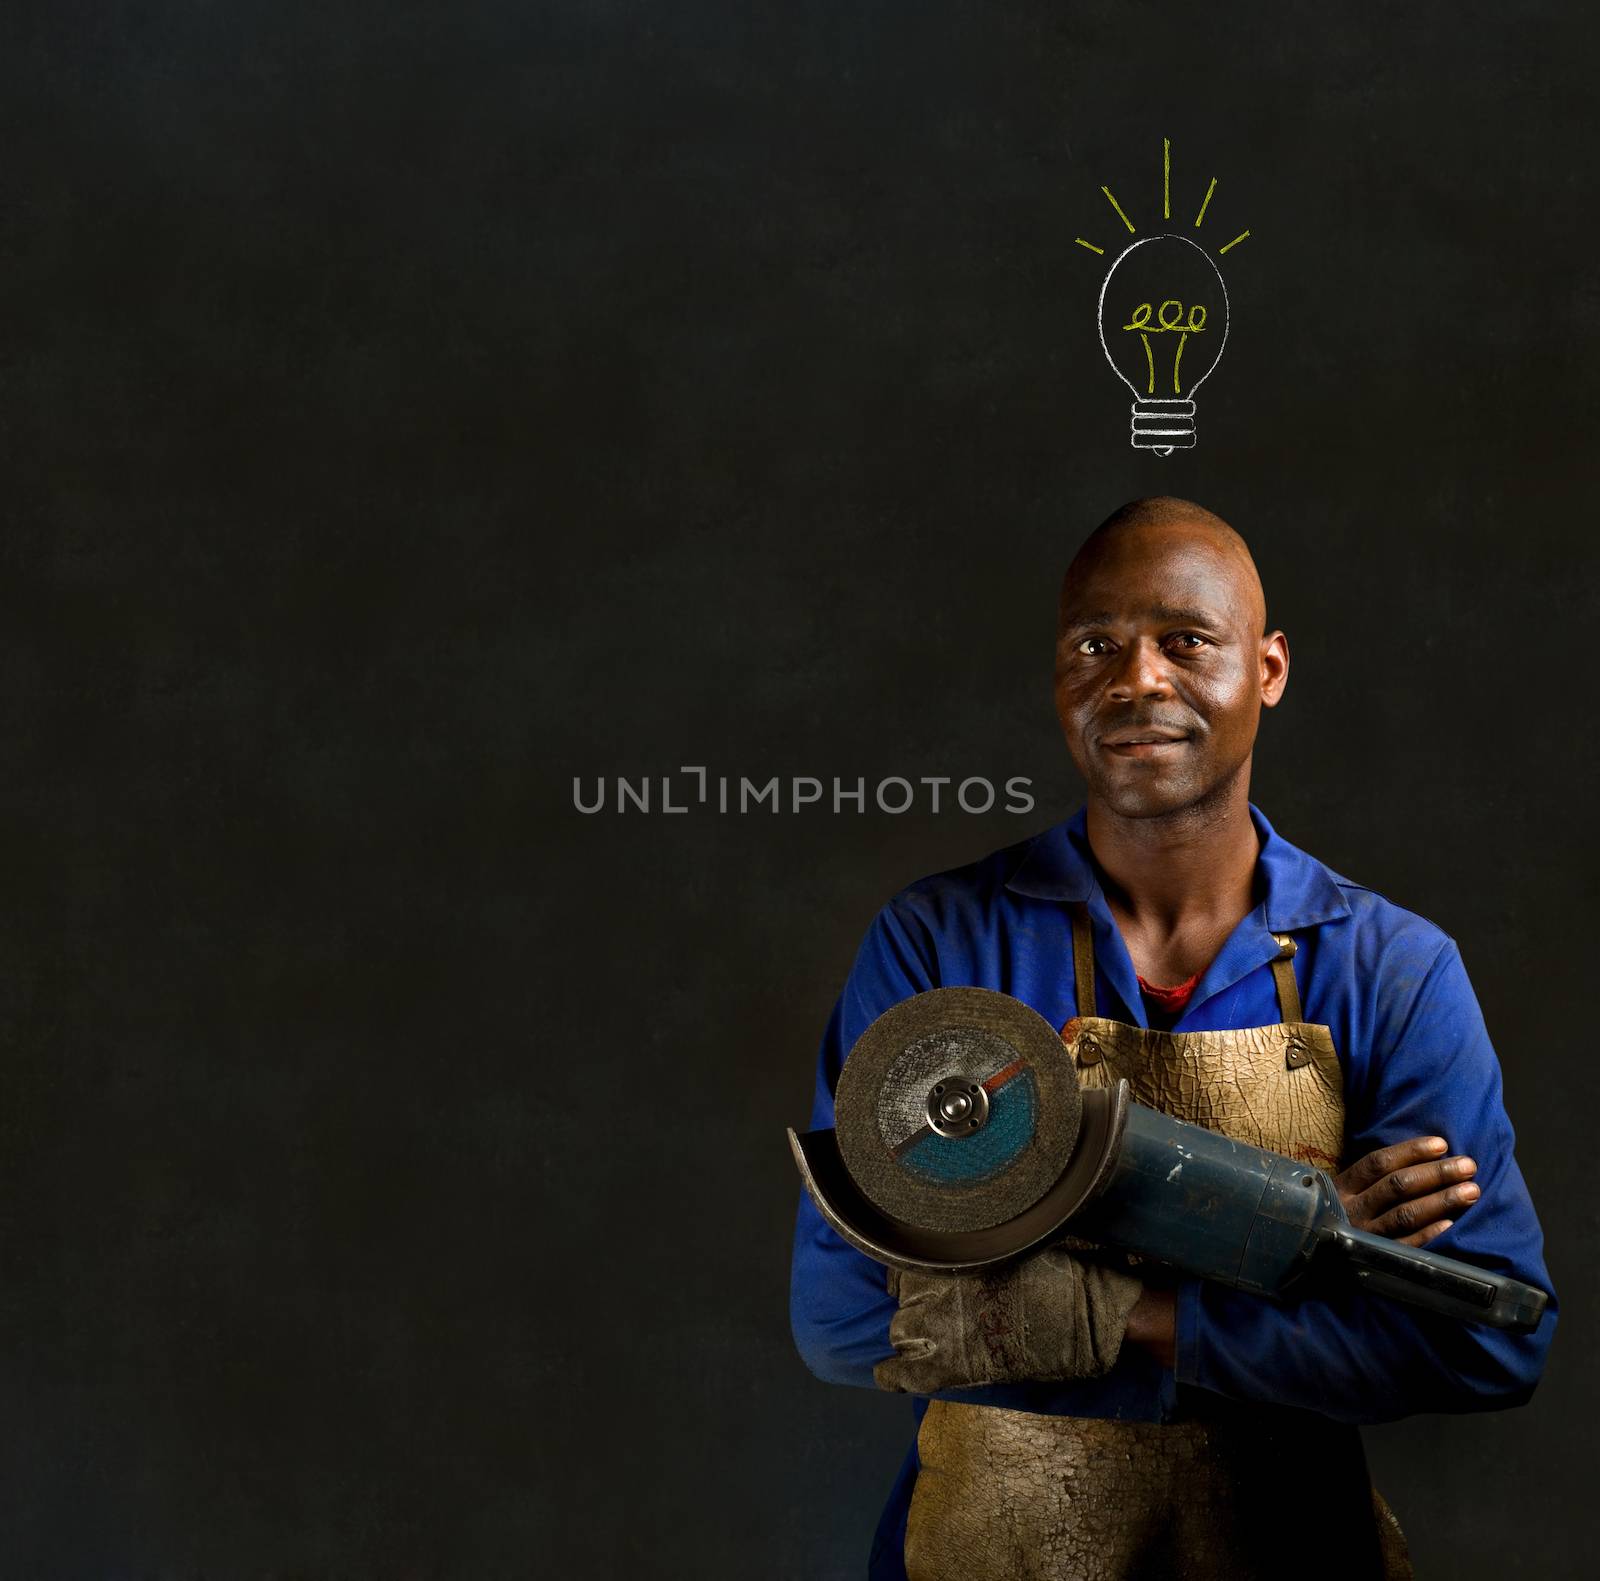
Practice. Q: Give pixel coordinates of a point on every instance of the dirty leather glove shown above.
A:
(1051, 1316)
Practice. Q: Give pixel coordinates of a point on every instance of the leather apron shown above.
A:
(1226, 1491)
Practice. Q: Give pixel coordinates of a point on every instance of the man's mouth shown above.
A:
(1146, 741)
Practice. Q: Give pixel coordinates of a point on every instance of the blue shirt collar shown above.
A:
(1297, 892)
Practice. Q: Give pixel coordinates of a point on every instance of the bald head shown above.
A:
(1142, 532)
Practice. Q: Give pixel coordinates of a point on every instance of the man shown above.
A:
(1081, 1417)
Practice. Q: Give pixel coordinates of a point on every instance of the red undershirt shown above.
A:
(1172, 1001)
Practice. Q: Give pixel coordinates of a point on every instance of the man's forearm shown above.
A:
(1153, 1324)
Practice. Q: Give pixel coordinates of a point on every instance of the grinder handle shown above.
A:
(1440, 1284)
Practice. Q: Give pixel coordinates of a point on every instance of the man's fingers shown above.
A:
(1415, 1180)
(1409, 1191)
(1372, 1167)
(1421, 1213)
(1422, 1237)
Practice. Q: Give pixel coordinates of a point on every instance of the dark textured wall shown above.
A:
(408, 408)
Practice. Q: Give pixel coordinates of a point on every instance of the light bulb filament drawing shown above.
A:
(1176, 325)
(1143, 296)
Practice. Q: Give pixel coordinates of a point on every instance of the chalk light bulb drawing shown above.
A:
(1163, 321)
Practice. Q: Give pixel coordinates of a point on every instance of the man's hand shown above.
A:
(1050, 1315)
(1407, 1192)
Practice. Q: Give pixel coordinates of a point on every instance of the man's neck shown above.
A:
(1178, 884)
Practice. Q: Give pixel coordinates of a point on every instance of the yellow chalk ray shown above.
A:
(1118, 207)
(1166, 206)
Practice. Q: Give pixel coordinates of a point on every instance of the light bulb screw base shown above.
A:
(1163, 426)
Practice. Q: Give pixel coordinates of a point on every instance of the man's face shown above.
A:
(1162, 670)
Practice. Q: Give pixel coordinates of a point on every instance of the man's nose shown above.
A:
(1141, 673)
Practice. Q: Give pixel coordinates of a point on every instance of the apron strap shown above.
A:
(1283, 975)
(1289, 1006)
(1083, 959)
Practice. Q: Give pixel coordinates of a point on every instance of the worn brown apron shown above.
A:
(1226, 1492)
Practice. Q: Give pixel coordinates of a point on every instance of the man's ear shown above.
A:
(1274, 667)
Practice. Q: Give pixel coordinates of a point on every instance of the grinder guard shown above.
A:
(888, 1240)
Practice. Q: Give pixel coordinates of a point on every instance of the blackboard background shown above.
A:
(409, 408)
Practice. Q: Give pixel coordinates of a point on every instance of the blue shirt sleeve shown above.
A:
(839, 1301)
(1363, 1359)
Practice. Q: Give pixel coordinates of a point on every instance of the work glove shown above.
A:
(1048, 1316)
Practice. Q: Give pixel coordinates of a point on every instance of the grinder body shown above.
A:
(1259, 1221)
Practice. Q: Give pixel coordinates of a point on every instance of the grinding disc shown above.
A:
(1011, 1111)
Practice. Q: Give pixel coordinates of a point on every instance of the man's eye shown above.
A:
(1093, 647)
(1186, 641)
